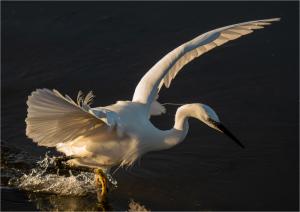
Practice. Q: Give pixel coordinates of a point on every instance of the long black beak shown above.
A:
(223, 129)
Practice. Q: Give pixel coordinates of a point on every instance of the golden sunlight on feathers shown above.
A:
(120, 133)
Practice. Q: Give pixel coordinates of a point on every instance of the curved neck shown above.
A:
(181, 117)
(178, 133)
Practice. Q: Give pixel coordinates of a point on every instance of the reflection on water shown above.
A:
(53, 202)
(135, 206)
(72, 203)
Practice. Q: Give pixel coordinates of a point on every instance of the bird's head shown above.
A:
(208, 116)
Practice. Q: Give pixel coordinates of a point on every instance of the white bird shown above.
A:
(118, 134)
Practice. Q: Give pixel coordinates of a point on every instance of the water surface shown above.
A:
(252, 83)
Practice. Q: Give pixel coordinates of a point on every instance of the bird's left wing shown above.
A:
(165, 70)
(53, 118)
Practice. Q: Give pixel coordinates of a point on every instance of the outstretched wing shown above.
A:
(53, 118)
(165, 70)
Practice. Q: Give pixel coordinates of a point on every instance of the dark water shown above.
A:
(107, 47)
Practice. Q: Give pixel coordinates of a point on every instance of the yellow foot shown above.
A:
(101, 183)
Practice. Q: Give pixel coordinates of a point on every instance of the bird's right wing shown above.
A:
(53, 118)
(165, 70)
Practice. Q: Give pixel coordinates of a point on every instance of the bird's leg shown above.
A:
(101, 181)
(61, 164)
(59, 161)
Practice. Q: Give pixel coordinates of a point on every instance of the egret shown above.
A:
(118, 134)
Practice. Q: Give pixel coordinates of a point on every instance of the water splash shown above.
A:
(51, 189)
(112, 181)
(39, 180)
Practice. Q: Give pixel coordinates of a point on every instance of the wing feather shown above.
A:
(53, 118)
(165, 70)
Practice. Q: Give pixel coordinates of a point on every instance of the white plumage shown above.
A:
(120, 133)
